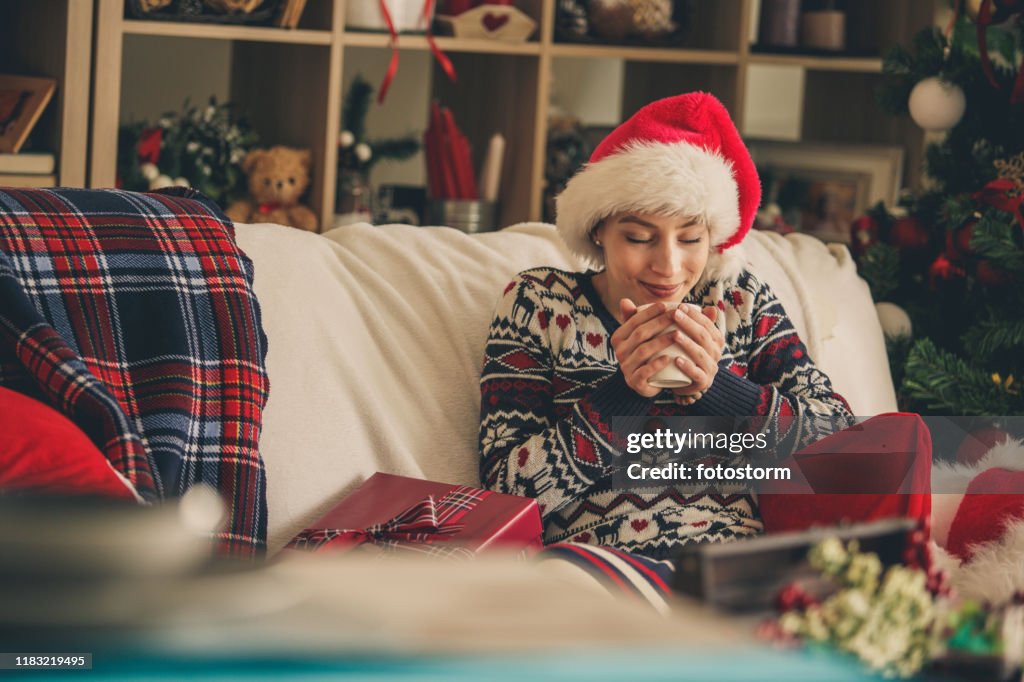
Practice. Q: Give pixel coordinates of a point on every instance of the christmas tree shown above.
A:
(953, 258)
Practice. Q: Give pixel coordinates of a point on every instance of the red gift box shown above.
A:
(401, 513)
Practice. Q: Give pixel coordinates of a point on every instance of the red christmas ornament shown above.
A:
(863, 233)
(793, 597)
(977, 444)
(943, 270)
(958, 241)
(990, 275)
(908, 233)
(1005, 195)
(149, 145)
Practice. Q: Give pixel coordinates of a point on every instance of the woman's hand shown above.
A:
(703, 343)
(637, 344)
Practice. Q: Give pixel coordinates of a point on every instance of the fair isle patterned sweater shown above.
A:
(551, 386)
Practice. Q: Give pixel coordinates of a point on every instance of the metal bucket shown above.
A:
(464, 214)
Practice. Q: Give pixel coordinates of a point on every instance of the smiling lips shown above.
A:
(662, 291)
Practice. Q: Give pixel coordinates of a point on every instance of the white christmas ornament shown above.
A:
(936, 104)
(182, 182)
(149, 171)
(894, 320)
(363, 152)
(346, 139)
(161, 181)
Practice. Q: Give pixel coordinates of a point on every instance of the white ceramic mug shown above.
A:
(670, 376)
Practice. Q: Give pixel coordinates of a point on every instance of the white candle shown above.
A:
(490, 175)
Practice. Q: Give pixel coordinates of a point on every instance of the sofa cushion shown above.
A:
(43, 451)
(377, 336)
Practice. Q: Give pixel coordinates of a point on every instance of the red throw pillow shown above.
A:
(993, 500)
(42, 450)
(875, 470)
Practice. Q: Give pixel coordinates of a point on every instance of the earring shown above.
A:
(598, 243)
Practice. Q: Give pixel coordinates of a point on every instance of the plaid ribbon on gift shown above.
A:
(414, 529)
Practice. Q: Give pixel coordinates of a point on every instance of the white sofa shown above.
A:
(376, 338)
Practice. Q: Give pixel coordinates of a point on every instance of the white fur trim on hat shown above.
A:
(676, 179)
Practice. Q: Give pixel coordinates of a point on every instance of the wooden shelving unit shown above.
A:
(506, 86)
(53, 38)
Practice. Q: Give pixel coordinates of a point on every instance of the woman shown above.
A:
(661, 208)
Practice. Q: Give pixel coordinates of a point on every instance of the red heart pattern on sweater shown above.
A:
(638, 524)
(594, 339)
(582, 537)
(562, 321)
(524, 454)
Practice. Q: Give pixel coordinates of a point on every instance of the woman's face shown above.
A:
(650, 258)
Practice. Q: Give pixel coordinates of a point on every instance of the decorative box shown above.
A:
(397, 513)
(495, 22)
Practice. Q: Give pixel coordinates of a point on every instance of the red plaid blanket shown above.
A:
(134, 314)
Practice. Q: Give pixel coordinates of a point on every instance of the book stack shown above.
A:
(27, 169)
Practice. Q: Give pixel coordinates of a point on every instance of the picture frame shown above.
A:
(22, 101)
(822, 188)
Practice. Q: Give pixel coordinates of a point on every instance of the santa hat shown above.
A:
(980, 525)
(680, 156)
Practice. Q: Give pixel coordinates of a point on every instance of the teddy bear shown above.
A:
(277, 178)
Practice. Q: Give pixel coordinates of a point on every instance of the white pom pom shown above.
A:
(201, 510)
(182, 182)
(149, 171)
(936, 104)
(346, 139)
(160, 182)
(363, 152)
(894, 320)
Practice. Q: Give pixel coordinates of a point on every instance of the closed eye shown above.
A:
(634, 240)
(691, 241)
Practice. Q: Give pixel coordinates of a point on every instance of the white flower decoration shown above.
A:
(346, 139)
(363, 152)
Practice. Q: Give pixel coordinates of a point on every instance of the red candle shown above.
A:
(453, 8)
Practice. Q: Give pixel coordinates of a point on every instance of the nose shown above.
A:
(280, 184)
(665, 260)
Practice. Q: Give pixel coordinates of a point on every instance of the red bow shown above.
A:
(422, 523)
(441, 57)
(1005, 195)
(987, 16)
(268, 206)
(149, 145)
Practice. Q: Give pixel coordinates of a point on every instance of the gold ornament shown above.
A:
(151, 5)
(610, 19)
(972, 8)
(1011, 169)
(232, 6)
(1006, 385)
(652, 18)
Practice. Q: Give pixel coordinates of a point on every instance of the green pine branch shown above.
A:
(957, 210)
(356, 106)
(994, 239)
(879, 266)
(993, 335)
(945, 383)
(395, 148)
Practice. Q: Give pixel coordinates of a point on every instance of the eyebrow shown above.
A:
(629, 218)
